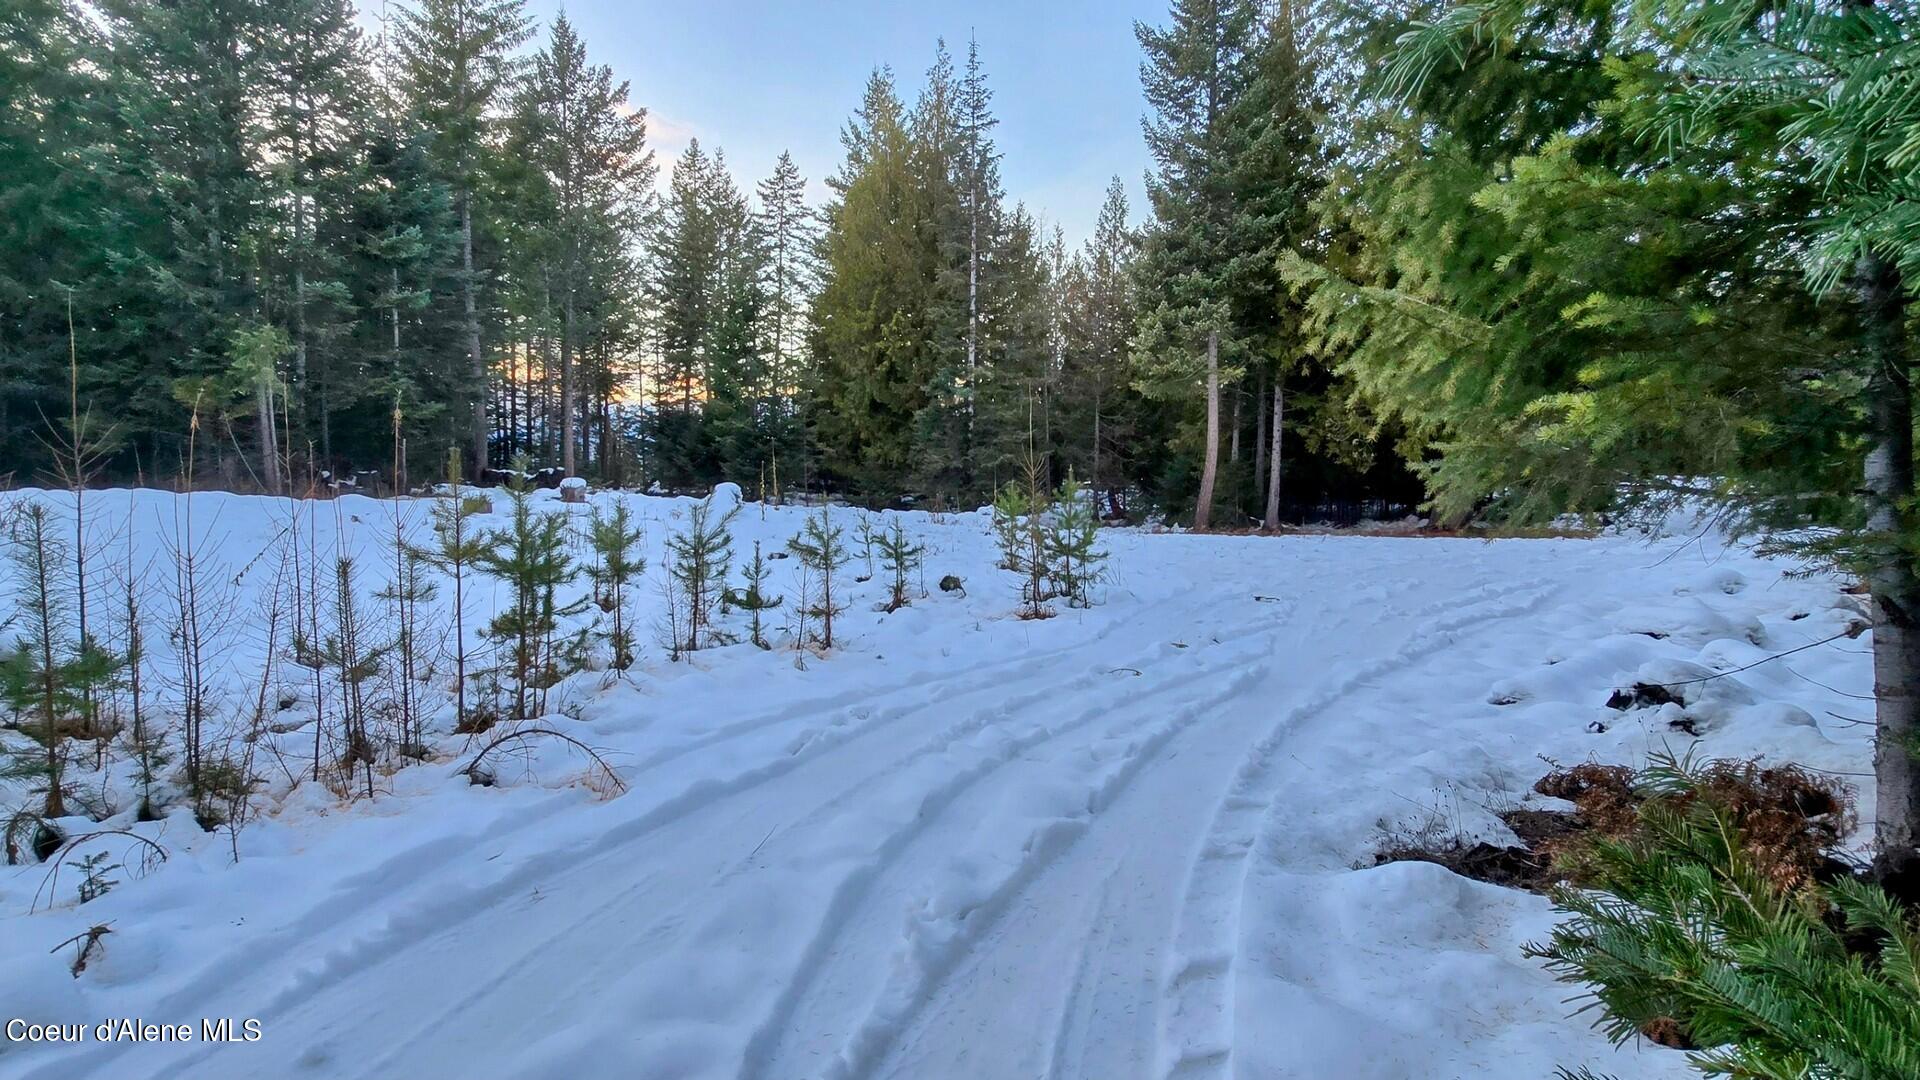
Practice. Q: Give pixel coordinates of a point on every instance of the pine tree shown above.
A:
(754, 598)
(1073, 554)
(902, 559)
(702, 557)
(1198, 254)
(317, 102)
(36, 676)
(456, 61)
(1020, 513)
(789, 234)
(1677, 174)
(459, 547)
(404, 593)
(591, 147)
(531, 557)
(1097, 421)
(686, 293)
(820, 547)
(872, 323)
(618, 564)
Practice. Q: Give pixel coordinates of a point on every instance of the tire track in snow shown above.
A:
(1196, 1022)
(418, 926)
(980, 721)
(448, 910)
(938, 940)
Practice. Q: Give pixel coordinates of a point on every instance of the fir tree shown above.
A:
(1200, 253)
(591, 147)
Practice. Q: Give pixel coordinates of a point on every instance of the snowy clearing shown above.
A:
(1115, 843)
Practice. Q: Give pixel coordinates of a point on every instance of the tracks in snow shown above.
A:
(1197, 1016)
(1029, 867)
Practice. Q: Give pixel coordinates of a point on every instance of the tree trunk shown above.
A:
(477, 364)
(1203, 509)
(1233, 453)
(1273, 451)
(1260, 428)
(269, 439)
(1889, 482)
(1093, 465)
(566, 387)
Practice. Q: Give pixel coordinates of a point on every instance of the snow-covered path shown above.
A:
(1110, 845)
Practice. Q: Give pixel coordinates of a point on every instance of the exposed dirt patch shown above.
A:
(1528, 865)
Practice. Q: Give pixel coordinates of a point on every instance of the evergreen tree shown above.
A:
(821, 548)
(617, 565)
(459, 547)
(872, 323)
(1097, 421)
(902, 558)
(701, 558)
(1596, 292)
(1199, 255)
(686, 291)
(456, 63)
(754, 598)
(531, 557)
(789, 234)
(591, 147)
(1072, 542)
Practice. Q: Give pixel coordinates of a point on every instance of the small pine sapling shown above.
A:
(820, 547)
(404, 594)
(133, 655)
(617, 541)
(532, 557)
(96, 878)
(702, 557)
(753, 599)
(1020, 514)
(902, 559)
(1074, 556)
(869, 538)
(34, 675)
(459, 545)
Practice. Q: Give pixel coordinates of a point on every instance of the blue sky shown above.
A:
(758, 76)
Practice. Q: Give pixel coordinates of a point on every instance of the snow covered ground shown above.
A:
(1117, 843)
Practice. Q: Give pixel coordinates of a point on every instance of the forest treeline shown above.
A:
(343, 248)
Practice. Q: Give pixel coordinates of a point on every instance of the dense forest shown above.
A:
(333, 250)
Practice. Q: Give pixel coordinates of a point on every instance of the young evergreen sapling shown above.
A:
(618, 564)
(902, 559)
(821, 549)
(753, 599)
(702, 557)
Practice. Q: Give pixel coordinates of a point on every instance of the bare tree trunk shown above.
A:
(1260, 428)
(1093, 467)
(1233, 453)
(1889, 482)
(269, 438)
(1203, 509)
(1273, 451)
(566, 387)
(470, 308)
